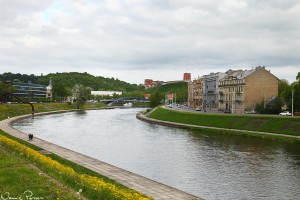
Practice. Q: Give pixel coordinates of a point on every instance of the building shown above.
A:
(49, 90)
(187, 77)
(204, 91)
(195, 93)
(32, 91)
(211, 90)
(148, 83)
(242, 90)
(105, 93)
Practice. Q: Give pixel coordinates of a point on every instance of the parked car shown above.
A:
(251, 112)
(285, 113)
(198, 109)
(227, 111)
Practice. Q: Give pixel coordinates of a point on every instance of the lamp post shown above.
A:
(293, 99)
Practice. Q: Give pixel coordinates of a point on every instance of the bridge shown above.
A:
(110, 102)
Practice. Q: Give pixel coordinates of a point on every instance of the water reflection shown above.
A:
(209, 165)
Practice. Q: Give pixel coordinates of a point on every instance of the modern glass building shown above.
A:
(29, 90)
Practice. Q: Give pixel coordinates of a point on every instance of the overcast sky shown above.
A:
(159, 39)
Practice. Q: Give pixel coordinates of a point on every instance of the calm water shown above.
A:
(211, 166)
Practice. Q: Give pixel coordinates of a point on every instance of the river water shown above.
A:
(211, 166)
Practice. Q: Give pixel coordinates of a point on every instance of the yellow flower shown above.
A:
(86, 180)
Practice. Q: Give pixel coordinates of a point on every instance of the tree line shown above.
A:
(284, 99)
(64, 83)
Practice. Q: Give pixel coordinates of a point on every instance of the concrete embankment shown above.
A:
(143, 117)
(136, 182)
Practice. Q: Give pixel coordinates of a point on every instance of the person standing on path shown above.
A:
(30, 136)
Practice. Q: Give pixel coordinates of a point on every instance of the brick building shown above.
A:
(187, 76)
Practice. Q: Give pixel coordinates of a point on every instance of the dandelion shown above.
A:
(80, 190)
(86, 180)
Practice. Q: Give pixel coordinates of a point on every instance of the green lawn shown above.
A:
(20, 172)
(272, 124)
(18, 176)
(12, 110)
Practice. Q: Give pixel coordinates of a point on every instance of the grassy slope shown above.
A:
(12, 110)
(20, 109)
(14, 169)
(272, 124)
(174, 87)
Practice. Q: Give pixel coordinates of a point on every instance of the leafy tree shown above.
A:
(287, 94)
(273, 107)
(298, 77)
(60, 91)
(88, 80)
(22, 77)
(296, 90)
(4, 88)
(282, 85)
(155, 100)
(81, 94)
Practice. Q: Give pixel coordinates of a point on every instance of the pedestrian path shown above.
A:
(136, 182)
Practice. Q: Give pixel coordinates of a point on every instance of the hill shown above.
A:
(180, 89)
(72, 78)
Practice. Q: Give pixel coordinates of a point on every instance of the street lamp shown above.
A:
(293, 98)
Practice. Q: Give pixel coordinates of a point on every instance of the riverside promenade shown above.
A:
(136, 182)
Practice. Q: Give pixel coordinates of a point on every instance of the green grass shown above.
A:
(174, 87)
(20, 141)
(77, 168)
(22, 166)
(12, 110)
(82, 170)
(271, 124)
(18, 175)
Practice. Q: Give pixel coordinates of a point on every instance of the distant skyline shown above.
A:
(158, 39)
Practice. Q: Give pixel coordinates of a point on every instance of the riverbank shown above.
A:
(82, 182)
(12, 110)
(92, 167)
(250, 125)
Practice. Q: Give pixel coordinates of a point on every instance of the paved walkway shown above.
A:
(136, 182)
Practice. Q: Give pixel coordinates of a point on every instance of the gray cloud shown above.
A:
(134, 35)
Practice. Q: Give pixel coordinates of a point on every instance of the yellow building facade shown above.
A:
(242, 90)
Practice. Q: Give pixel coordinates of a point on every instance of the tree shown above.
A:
(4, 88)
(155, 100)
(282, 86)
(298, 77)
(78, 94)
(287, 94)
(81, 94)
(61, 91)
(274, 107)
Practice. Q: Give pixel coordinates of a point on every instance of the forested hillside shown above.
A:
(180, 89)
(70, 79)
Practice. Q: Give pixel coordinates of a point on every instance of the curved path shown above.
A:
(145, 118)
(136, 182)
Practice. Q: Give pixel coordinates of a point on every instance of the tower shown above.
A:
(187, 76)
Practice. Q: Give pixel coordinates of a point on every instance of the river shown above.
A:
(209, 165)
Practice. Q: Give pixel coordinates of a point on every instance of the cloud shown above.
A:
(124, 36)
